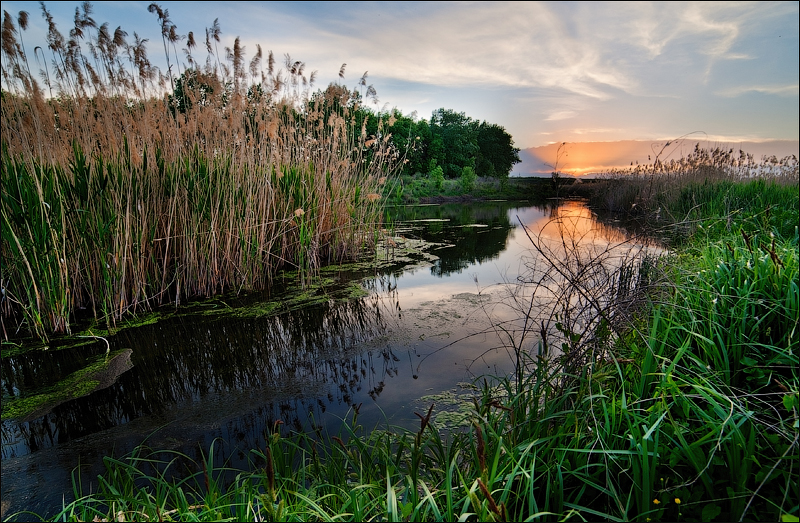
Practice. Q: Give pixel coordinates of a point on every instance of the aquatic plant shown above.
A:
(668, 189)
(120, 193)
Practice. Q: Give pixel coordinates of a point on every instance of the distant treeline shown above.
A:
(449, 140)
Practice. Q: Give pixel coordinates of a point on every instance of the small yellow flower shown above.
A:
(678, 501)
(656, 502)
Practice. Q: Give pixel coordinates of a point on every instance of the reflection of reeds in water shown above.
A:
(284, 359)
(117, 197)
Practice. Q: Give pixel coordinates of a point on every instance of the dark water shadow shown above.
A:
(203, 375)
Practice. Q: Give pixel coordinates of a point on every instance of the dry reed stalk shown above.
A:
(162, 197)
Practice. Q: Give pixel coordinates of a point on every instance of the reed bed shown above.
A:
(674, 396)
(668, 188)
(124, 187)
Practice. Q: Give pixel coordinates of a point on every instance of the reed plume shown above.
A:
(119, 195)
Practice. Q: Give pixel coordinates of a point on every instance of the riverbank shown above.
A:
(681, 405)
(406, 190)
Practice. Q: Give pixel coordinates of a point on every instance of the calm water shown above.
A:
(227, 370)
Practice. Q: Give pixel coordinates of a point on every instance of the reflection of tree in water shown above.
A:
(470, 245)
(248, 371)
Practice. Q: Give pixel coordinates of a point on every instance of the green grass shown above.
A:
(689, 412)
(411, 189)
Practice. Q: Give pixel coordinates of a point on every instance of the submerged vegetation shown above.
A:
(101, 373)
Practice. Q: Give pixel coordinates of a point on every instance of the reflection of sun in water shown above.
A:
(575, 222)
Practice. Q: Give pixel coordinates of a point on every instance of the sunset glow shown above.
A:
(547, 72)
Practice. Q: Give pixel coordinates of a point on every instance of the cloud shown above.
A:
(596, 130)
(778, 90)
(561, 115)
(713, 30)
(485, 45)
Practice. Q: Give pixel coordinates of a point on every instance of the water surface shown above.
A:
(226, 371)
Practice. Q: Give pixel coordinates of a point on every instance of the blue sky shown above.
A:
(547, 72)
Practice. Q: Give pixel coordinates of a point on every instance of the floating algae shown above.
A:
(100, 374)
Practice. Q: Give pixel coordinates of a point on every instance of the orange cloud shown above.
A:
(582, 158)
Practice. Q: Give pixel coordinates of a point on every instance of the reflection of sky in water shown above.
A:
(572, 219)
(421, 332)
(418, 285)
(471, 347)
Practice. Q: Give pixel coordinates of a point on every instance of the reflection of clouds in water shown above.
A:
(575, 222)
(419, 331)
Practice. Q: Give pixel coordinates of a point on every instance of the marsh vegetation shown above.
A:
(640, 384)
(631, 396)
(118, 196)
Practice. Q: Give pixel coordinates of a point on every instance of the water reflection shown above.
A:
(200, 377)
(575, 223)
(475, 233)
(314, 352)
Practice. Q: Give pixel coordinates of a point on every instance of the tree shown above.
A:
(459, 140)
(468, 179)
(497, 154)
(194, 87)
(419, 158)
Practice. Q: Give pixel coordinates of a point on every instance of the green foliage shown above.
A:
(437, 176)
(451, 140)
(722, 206)
(458, 134)
(194, 87)
(497, 154)
(468, 179)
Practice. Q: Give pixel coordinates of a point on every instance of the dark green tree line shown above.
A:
(451, 141)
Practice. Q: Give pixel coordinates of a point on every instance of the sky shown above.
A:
(547, 72)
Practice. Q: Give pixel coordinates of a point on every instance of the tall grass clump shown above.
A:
(690, 409)
(670, 189)
(124, 187)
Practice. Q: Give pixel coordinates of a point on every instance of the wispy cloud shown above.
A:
(508, 45)
(561, 115)
(779, 90)
(545, 71)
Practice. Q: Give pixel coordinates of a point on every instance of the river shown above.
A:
(226, 370)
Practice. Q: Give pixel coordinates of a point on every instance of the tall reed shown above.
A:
(119, 194)
(667, 188)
